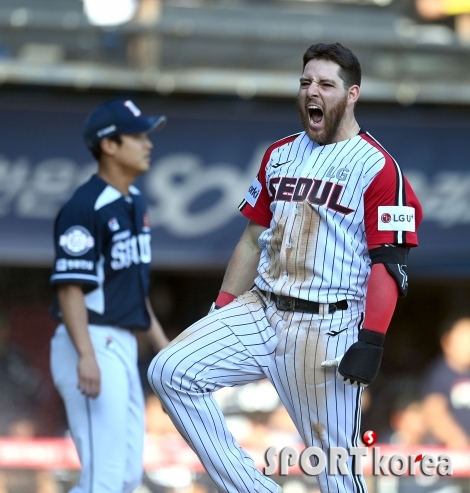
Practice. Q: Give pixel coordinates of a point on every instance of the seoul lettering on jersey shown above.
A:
(340, 188)
(132, 250)
(316, 192)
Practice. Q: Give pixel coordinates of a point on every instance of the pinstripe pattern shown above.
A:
(316, 246)
(245, 342)
(320, 206)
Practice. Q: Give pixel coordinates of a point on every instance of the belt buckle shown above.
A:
(285, 303)
(332, 308)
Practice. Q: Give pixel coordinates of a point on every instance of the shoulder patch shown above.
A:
(396, 218)
(253, 192)
(76, 241)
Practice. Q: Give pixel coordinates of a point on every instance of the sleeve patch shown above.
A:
(396, 218)
(253, 192)
(64, 264)
(76, 241)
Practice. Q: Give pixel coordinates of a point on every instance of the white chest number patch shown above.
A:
(132, 250)
(253, 192)
(76, 241)
(396, 218)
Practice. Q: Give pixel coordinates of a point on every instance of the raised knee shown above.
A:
(155, 372)
(162, 372)
(169, 372)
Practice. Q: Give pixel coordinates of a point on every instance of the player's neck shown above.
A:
(116, 179)
(349, 128)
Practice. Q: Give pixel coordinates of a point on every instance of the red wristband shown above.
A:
(224, 298)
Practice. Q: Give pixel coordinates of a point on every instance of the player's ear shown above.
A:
(353, 94)
(108, 146)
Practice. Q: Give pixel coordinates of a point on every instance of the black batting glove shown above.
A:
(360, 364)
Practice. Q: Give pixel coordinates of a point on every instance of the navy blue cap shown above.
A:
(119, 116)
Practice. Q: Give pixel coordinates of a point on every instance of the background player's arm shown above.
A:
(243, 266)
(75, 317)
(155, 335)
(442, 424)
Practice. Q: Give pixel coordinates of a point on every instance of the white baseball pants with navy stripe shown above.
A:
(108, 431)
(244, 342)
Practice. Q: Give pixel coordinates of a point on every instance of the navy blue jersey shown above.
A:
(102, 240)
(442, 379)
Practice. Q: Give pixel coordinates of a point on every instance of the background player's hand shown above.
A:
(89, 376)
(360, 364)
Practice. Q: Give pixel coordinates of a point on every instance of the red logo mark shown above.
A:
(146, 221)
(369, 437)
(386, 217)
(420, 457)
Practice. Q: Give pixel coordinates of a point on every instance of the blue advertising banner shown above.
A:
(204, 161)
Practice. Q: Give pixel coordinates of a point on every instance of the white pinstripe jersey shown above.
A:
(324, 207)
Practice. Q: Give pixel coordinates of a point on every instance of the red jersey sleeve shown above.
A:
(255, 205)
(392, 212)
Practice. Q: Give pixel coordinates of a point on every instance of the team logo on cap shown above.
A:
(133, 108)
(77, 240)
(106, 131)
(386, 217)
(113, 224)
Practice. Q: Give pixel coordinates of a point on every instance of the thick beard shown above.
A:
(333, 120)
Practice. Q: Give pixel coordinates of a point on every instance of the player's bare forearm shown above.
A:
(243, 266)
(75, 318)
(155, 335)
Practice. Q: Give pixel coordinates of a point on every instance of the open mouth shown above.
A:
(315, 114)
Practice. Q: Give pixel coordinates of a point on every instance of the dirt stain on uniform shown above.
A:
(303, 239)
(275, 245)
(319, 430)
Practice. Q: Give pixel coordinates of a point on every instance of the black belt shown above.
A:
(288, 303)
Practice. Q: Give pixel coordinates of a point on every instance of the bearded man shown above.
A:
(309, 291)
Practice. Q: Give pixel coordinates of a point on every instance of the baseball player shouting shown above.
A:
(101, 276)
(331, 220)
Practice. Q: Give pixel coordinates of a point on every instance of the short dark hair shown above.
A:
(350, 68)
(97, 151)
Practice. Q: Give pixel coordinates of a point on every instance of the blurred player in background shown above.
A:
(101, 275)
(331, 220)
(447, 387)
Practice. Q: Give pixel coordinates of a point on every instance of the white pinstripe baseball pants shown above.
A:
(244, 342)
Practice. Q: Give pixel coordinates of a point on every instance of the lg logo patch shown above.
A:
(386, 218)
